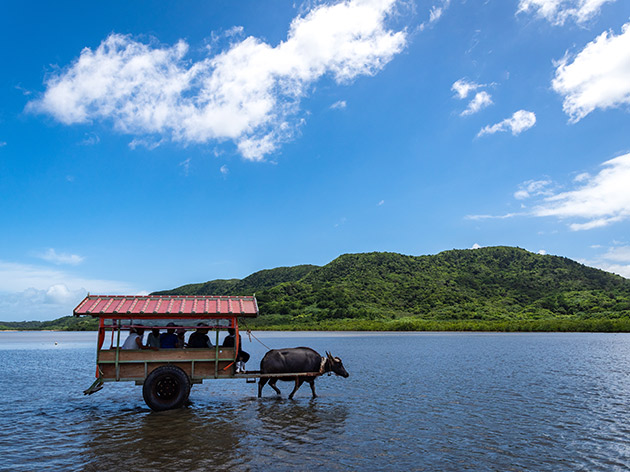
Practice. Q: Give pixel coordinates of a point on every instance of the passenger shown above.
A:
(181, 340)
(242, 357)
(134, 340)
(169, 339)
(153, 339)
(200, 339)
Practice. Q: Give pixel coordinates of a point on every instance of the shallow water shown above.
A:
(413, 401)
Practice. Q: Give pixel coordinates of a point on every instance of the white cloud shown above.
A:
(438, 10)
(618, 254)
(532, 188)
(224, 170)
(246, 94)
(342, 221)
(32, 304)
(559, 11)
(601, 200)
(520, 121)
(60, 294)
(185, 165)
(149, 144)
(3, 143)
(235, 31)
(616, 260)
(542, 252)
(23, 90)
(482, 100)
(256, 147)
(34, 292)
(341, 104)
(435, 13)
(492, 217)
(60, 258)
(463, 87)
(598, 77)
(382, 202)
(619, 269)
(475, 246)
(582, 177)
(16, 277)
(90, 139)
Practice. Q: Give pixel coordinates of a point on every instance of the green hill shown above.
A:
(493, 288)
(500, 288)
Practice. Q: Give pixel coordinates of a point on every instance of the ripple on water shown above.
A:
(413, 401)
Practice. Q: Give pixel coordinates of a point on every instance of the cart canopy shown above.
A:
(165, 306)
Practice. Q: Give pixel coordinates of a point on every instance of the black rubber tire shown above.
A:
(166, 388)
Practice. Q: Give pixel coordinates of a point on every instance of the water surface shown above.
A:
(413, 401)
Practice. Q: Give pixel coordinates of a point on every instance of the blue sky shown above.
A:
(145, 145)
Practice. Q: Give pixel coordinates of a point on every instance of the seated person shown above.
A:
(181, 340)
(169, 339)
(153, 339)
(134, 340)
(242, 357)
(200, 339)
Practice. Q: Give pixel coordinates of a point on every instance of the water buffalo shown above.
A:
(296, 360)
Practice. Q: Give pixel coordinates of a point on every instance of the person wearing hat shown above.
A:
(200, 339)
(169, 339)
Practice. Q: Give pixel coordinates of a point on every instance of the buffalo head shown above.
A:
(336, 365)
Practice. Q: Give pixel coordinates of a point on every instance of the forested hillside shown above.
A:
(494, 286)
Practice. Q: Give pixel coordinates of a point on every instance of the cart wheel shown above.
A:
(166, 388)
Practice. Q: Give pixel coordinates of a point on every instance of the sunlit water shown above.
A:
(541, 402)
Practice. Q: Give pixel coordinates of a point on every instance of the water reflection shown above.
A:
(290, 432)
(141, 440)
(222, 435)
(291, 420)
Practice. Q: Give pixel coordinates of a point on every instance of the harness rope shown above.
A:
(250, 334)
(322, 366)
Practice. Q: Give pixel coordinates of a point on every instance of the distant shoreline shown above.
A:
(40, 330)
(597, 325)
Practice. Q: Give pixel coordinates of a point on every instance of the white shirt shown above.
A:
(130, 342)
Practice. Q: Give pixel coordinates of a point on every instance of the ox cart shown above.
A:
(167, 375)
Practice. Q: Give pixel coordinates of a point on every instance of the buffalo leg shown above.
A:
(261, 384)
(272, 384)
(298, 383)
(312, 384)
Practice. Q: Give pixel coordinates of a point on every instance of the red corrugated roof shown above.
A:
(164, 305)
